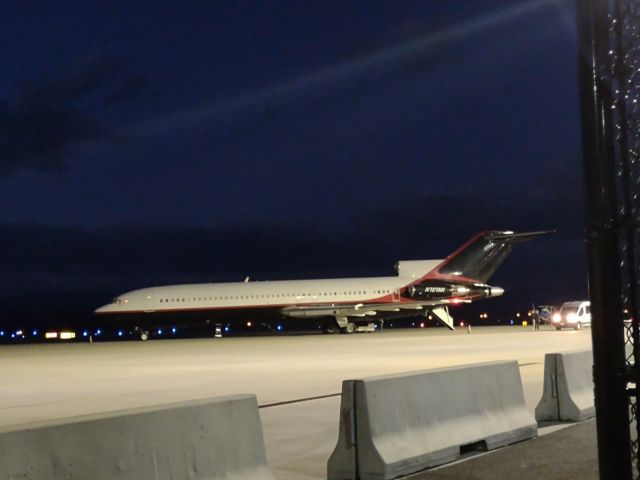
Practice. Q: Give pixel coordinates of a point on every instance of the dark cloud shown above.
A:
(441, 217)
(422, 227)
(40, 137)
(213, 253)
(40, 128)
(91, 76)
(129, 88)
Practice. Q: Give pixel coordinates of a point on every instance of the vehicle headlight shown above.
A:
(556, 317)
(572, 318)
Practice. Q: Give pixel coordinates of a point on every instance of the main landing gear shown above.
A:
(340, 325)
(330, 329)
(350, 327)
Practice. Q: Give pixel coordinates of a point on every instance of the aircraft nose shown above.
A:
(103, 309)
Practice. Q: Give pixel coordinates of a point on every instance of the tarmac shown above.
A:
(566, 454)
(297, 380)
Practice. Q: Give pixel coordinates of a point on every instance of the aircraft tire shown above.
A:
(329, 329)
(558, 328)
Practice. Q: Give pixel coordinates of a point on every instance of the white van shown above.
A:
(573, 315)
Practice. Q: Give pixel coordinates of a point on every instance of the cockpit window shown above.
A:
(120, 301)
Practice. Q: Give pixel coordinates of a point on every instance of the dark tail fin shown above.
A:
(477, 259)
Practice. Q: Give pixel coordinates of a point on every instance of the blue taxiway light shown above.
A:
(98, 332)
(279, 328)
(120, 333)
(1, 333)
(174, 330)
(159, 331)
(85, 333)
(34, 333)
(226, 329)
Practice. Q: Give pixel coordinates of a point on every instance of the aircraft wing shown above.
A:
(437, 307)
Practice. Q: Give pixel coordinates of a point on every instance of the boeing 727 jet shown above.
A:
(421, 287)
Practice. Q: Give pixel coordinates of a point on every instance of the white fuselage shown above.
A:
(214, 296)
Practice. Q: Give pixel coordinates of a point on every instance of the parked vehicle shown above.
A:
(572, 315)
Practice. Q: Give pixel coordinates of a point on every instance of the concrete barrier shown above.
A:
(400, 424)
(219, 438)
(567, 394)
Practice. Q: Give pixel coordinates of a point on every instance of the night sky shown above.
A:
(173, 142)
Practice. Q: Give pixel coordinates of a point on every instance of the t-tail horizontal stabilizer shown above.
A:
(443, 317)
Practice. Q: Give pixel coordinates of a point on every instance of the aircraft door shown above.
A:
(149, 305)
(395, 295)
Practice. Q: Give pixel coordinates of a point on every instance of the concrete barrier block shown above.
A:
(219, 438)
(400, 424)
(567, 393)
(343, 458)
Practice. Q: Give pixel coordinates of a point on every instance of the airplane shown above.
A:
(421, 287)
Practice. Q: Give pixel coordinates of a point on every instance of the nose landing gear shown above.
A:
(143, 335)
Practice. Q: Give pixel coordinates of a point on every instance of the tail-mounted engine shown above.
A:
(439, 290)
